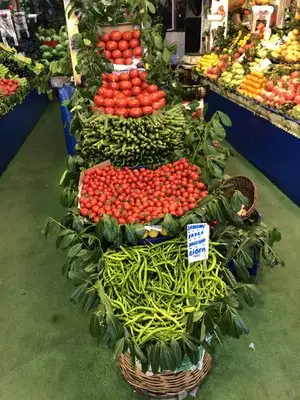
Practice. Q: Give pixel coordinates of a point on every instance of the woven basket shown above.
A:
(247, 188)
(163, 385)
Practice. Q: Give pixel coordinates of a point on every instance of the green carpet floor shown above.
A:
(46, 351)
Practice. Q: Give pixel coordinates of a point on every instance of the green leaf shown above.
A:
(111, 230)
(151, 8)
(67, 240)
(166, 56)
(74, 250)
(78, 293)
(119, 347)
(130, 234)
(139, 230)
(167, 362)
(189, 323)
(176, 353)
(189, 342)
(171, 225)
(224, 118)
(241, 270)
(219, 131)
(95, 325)
(114, 327)
(139, 354)
(236, 201)
(158, 41)
(155, 357)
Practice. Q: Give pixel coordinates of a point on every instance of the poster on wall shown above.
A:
(72, 28)
(218, 17)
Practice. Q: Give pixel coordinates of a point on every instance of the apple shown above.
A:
(269, 86)
(241, 50)
(297, 99)
(281, 101)
(289, 95)
(215, 71)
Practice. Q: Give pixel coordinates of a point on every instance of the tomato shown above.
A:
(146, 101)
(128, 61)
(133, 103)
(152, 88)
(119, 61)
(116, 54)
(123, 45)
(105, 84)
(116, 36)
(111, 45)
(135, 112)
(121, 103)
(124, 76)
(156, 105)
(127, 35)
(162, 103)
(134, 73)
(109, 110)
(161, 94)
(109, 103)
(125, 85)
(122, 111)
(136, 82)
(104, 77)
(114, 86)
(127, 53)
(119, 95)
(148, 110)
(113, 77)
(136, 90)
(134, 43)
(107, 54)
(108, 93)
(98, 100)
(145, 86)
(101, 44)
(143, 75)
(137, 51)
(127, 92)
(105, 37)
(136, 34)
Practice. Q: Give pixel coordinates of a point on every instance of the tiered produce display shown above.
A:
(145, 167)
(250, 64)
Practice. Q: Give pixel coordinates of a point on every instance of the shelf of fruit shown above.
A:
(247, 68)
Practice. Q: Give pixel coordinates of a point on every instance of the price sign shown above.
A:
(263, 65)
(198, 242)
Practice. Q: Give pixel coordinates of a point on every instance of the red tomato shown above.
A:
(104, 76)
(133, 103)
(125, 85)
(122, 111)
(109, 103)
(107, 54)
(109, 110)
(162, 103)
(111, 45)
(145, 86)
(146, 101)
(116, 35)
(127, 36)
(121, 103)
(136, 82)
(116, 54)
(101, 44)
(119, 61)
(98, 100)
(127, 92)
(134, 73)
(160, 94)
(152, 88)
(114, 86)
(120, 95)
(105, 37)
(108, 94)
(105, 84)
(113, 77)
(127, 53)
(156, 105)
(128, 61)
(137, 51)
(123, 45)
(143, 75)
(135, 112)
(134, 43)
(154, 97)
(136, 34)
(124, 76)
(148, 110)
(136, 90)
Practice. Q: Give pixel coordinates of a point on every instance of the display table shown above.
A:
(272, 149)
(16, 125)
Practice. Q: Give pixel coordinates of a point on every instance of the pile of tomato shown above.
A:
(139, 195)
(8, 86)
(121, 47)
(128, 94)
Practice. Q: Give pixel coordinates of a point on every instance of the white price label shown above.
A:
(198, 242)
(264, 64)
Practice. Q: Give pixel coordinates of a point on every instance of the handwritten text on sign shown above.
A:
(198, 242)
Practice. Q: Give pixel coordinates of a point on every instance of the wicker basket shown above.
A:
(247, 188)
(163, 385)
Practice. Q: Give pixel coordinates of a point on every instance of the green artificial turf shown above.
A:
(46, 350)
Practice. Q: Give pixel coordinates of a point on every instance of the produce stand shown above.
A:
(272, 144)
(17, 124)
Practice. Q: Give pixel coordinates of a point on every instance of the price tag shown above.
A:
(262, 65)
(198, 242)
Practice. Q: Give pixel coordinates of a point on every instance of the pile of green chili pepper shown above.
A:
(152, 289)
(133, 141)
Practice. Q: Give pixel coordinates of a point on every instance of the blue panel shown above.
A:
(65, 93)
(16, 125)
(273, 151)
